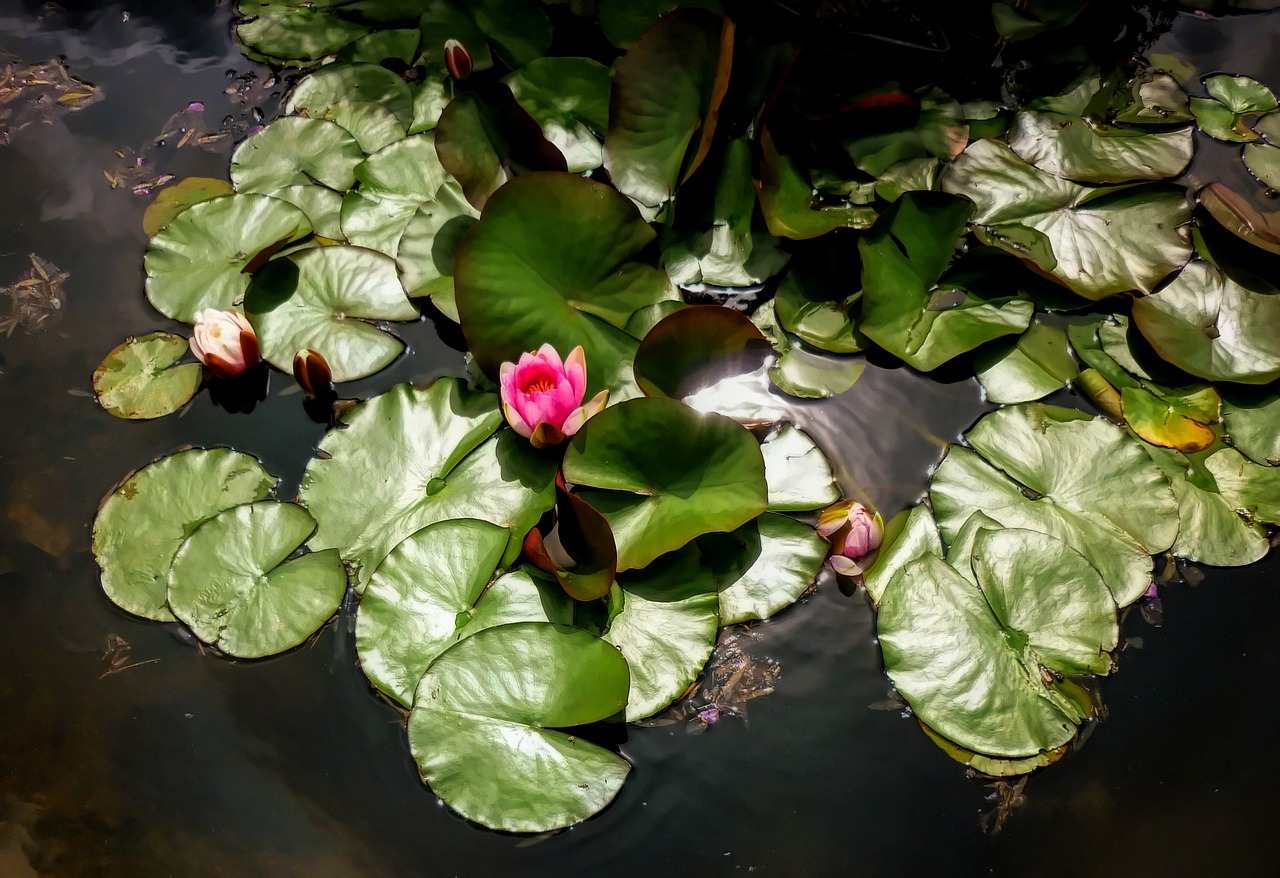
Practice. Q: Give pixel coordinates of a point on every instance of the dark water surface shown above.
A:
(194, 766)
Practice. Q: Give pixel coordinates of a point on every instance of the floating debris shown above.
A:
(31, 93)
(117, 656)
(36, 299)
(1008, 796)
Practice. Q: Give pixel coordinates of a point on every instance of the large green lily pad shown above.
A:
(141, 523)
(174, 199)
(1082, 480)
(665, 474)
(667, 91)
(1095, 240)
(1209, 325)
(908, 535)
(295, 150)
(231, 583)
(779, 561)
(907, 308)
(426, 249)
(318, 93)
(569, 98)
(1221, 115)
(319, 299)
(204, 256)
(694, 347)
(294, 34)
(787, 200)
(557, 259)
(414, 456)
(665, 629)
(483, 727)
(984, 666)
(418, 597)
(140, 378)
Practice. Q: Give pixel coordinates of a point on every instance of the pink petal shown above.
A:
(517, 423)
(551, 356)
(579, 416)
(576, 369)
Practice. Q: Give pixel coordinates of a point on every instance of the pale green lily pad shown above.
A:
(569, 98)
(202, 257)
(372, 125)
(318, 93)
(1252, 419)
(908, 535)
(797, 472)
(322, 205)
(1084, 481)
(426, 249)
(907, 307)
(908, 175)
(667, 91)
(293, 34)
(1205, 323)
(174, 199)
(430, 97)
(1065, 143)
(523, 595)
(294, 150)
(1036, 364)
(483, 726)
(140, 379)
(1263, 161)
(319, 299)
(784, 557)
(411, 457)
(800, 372)
(558, 259)
(665, 475)
(141, 524)
(381, 45)
(394, 183)
(232, 584)
(665, 629)
(419, 596)
(984, 666)
(1098, 241)
(1211, 530)
(1252, 489)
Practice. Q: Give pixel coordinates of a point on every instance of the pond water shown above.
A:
(184, 764)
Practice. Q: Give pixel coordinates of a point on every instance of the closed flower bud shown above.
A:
(312, 373)
(853, 533)
(457, 60)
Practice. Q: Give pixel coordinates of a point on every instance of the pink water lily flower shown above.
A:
(853, 533)
(225, 342)
(542, 395)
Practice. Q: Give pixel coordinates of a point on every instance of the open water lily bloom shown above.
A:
(853, 533)
(542, 395)
(225, 342)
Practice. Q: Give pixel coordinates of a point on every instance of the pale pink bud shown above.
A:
(542, 395)
(225, 342)
(853, 533)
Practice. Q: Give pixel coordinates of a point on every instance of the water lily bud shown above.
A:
(457, 60)
(312, 373)
(225, 342)
(542, 395)
(853, 533)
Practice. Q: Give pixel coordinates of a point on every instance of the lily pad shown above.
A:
(695, 346)
(1205, 323)
(174, 199)
(1221, 115)
(1238, 216)
(1252, 418)
(569, 98)
(291, 34)
(231, 583)
(414, 456)
(1065, 142)
(908, 535)
(984, 666)
(1253, 489)
(1082, 480)
(426, 249)
(203, 258)
(140, 379)
(665, 475)
(623, 21)
(784, 557)
(665, 629)
(318, 93)
(141, 523)
(788, 204)
(990, 766)
(322, 205)
(907, 307)
(523, 595)
(1036, 364)
(1263, 161)
(372, 125)
(418, 598)
(1211, 531)
(320, 299)
(797, 472)
(483, 726)
(394, 183)
(557, 259)
(295, 150)
(484, 138)
(517, 29)
(1097, 241)
(804, 308)
(667, 91)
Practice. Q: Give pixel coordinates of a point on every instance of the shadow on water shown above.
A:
(186, 764)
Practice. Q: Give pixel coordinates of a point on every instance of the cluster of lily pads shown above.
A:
(509, 592)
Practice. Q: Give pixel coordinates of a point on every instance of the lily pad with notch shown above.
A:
(296, 150)
(764, 566)
(235, 585)
(318, 93)
(174, 199)
(799, 475)
(1031, 367)
(141, 378)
